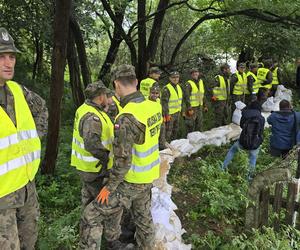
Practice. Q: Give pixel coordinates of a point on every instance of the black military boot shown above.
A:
(118, 245)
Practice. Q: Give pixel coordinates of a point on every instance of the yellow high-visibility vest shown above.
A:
(117, 102)
(262, 76)
(194, 97)
(222, 91)
(81, 158)
(175, 100)
(145, 86)
(275, 76)
(201, 92)
(145, 157)
(20, 146)
(240, 87)
(256, 84)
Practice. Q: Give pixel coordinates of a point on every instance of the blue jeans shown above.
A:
(234, 149)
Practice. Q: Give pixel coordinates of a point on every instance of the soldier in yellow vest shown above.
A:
(264, 75)
(146, 84)
(23, 119)
(193, 96)
(252, 83)
(171, 101)
(136, 166)
(92, 142)
(277, 77)
(220, 90)
(238, 85)
(113, 107)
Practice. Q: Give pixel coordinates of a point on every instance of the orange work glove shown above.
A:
(103, 196)
(205, 109)
(214, 98)
(167, 118)
(189, 112)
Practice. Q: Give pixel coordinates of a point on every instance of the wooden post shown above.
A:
(277, 204)
(291, 200)
(264, 207)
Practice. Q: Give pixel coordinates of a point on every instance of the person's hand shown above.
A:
(167, 118)
(189, 112)
(214, 98)
(205, 109)
(103, 196)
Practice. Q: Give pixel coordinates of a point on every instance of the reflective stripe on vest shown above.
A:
(20, 147)
(145, 157)
(117, 102)
(256, 84)
(201, 92)
(275, 76)
(175, 100)
(221, 91)
(145, 86)
(240, 87)
(81, 158)
(194, 97)
(262, 76)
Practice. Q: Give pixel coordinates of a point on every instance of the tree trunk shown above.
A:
(37, 66)
(74, 71)
(61, 28)
(142, 62)
(114, 47)
(85, 71)
(156, 29)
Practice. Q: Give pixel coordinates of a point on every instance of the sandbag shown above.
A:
(237, 113)
(183, 146)
(283, 93)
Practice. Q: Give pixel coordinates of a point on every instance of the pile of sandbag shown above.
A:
(168, 228)
(272, 103)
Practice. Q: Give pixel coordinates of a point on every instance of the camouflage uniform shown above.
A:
(19, 211)
(136, 197)
(194, 122)
(90, 129)
(113, 110)
(222, 108)
(171, 127)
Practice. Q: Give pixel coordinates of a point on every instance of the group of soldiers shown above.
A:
(115, 147)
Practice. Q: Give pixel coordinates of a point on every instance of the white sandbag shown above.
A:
(183, 146)
(283, 93)
(196, 137)
(234, 133)
(237, 113)
(268, 105)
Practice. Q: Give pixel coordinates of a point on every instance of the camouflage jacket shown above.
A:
(37, 106)
(165, 96)
(187, 91)
(39, 112)
(90, 129)
(127, 131)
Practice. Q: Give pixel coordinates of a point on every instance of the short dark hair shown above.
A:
(254, 105)
(224, 66)
(127, 80)
(285, 105)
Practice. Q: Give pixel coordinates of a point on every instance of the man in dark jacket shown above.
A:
(251, 112)
(284, 127)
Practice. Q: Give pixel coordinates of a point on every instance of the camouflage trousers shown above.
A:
(172, 127)
(91, 186)
(19, 212)
(162, 137)
(221, 113)
(96, 217)
(194, 122)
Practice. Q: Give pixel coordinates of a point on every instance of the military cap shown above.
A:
(155, 70)
(242, 65)
(253, 65)
(124, 70)
(174, 73)
(95, 89)
(155, 87)
(7, 42)
(194, 70)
